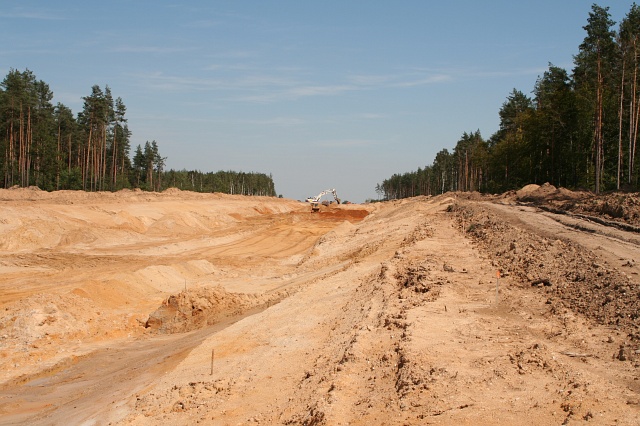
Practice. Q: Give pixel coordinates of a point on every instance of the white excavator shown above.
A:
(315, 201)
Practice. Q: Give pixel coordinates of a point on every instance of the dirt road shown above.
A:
(390, 313)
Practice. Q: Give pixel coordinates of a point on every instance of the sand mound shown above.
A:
(527, 190)
(193, 309)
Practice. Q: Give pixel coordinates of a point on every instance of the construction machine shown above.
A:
(315, 201)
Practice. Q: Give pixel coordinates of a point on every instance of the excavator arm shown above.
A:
(316, 200)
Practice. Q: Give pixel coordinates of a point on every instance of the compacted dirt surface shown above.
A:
(135, 308)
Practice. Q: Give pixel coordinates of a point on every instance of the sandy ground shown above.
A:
(181, 308)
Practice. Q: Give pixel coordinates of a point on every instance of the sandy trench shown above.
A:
(362, 314)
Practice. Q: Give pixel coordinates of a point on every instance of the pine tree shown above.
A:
(594, 79)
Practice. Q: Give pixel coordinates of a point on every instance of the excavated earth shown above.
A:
(136, 308)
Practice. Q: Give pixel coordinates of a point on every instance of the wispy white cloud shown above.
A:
(161, 81)
(243, 83)
(151, 49)
(249, 88)
(344, 143)
(234, 54)
(268, 95)
(276, 122)
(216, 18)
(295, 88)
(281, 122)
(24, 13)
(503, 73)
(203, 23)
(370, 80)
(370, 116)
(421, 81)
(320, 90)
(448, 74)
(402, 79)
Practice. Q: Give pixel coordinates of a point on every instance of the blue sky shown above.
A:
(320, 94)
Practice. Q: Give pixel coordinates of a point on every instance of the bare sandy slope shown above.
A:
(182, 308)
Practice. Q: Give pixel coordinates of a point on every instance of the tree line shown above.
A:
(579, 129)
(228, 182)
(45, 145)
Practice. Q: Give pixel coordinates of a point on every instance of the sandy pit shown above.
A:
(136, 308)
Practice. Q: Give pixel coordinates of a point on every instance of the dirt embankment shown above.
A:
(567, 273)
(182, 308)
(613, 209)
(79, 270)
(412, 331)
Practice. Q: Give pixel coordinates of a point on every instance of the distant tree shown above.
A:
(119, 146)
(66, 130)
(230, 182)
(629, 113)
(44, 144)
(471, 158)
(594, 78)
(94, 120)
(28, 130)
(511, 160)
(444, 172)
(139, 167)
(553, 130)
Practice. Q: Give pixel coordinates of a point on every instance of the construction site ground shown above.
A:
(135, 308)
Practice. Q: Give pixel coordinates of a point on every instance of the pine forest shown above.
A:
(45, 145)
(578, 130)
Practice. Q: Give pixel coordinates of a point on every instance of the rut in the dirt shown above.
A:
(374, 373)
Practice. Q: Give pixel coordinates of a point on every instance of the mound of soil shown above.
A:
(618, 207)
(546, 193)
(194, 309)
(571, 276)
